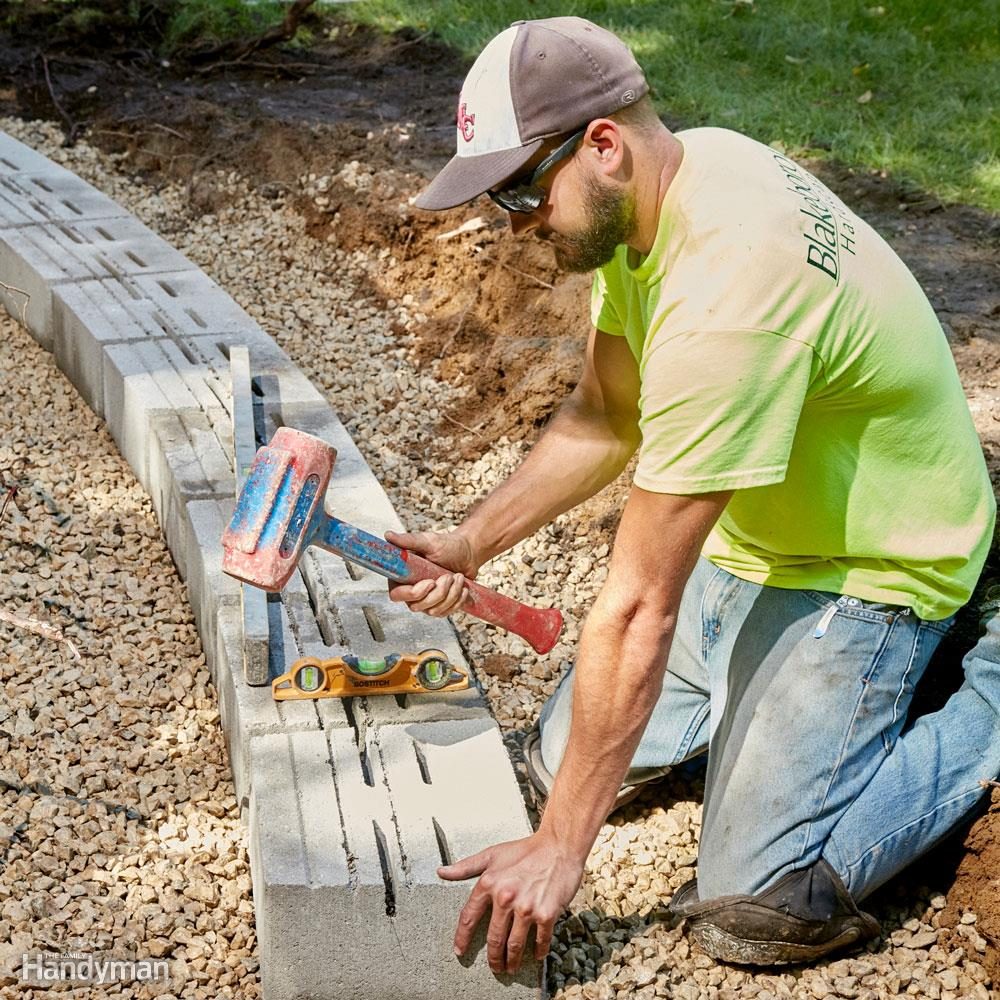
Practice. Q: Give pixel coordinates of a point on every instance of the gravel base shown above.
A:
(119, 830)
(320, 304)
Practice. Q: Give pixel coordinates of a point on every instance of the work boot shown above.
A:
(803, 916)
(541, 778)
(989, 606)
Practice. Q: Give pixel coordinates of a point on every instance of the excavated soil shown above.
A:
(342, 136)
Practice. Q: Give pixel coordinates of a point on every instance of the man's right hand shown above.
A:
(449, 549)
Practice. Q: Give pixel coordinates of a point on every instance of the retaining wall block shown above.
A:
(181, 306)
(248, 712)
(380, 866)
(117, 247)
(17, 158)
(32, 263)
(317, 855)
(55, 195)
(140, 384)
(186, 463)
(209, 588)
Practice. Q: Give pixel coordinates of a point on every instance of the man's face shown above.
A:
(608, 220)
(584, 217)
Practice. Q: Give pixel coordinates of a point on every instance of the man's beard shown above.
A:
(611, 220)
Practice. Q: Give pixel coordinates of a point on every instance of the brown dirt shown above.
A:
(977, 885)
(498, 315)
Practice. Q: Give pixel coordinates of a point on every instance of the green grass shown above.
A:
(906, 86)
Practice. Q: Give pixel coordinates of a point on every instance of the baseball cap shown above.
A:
(535, 80)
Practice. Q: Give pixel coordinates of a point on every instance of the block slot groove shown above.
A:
(197, 318)
(425, 771)
(387, 877)
(374, 625)
(442, 841)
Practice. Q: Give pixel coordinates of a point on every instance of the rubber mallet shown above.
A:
(280, 511)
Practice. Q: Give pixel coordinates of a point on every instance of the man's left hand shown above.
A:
(527, 883)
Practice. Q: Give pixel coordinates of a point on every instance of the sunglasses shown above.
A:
(525, 195)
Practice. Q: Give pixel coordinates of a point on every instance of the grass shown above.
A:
(909, 87)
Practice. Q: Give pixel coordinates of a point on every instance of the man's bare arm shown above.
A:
(619, 675)
(587, 445)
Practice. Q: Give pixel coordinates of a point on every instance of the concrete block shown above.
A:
(256, 636)
(379, 868)
(13, 211)
(32, 262)
(51, 194)
(141, 381)
(320, 420)
(17, 158)
(248, 712)
(254, 602)
(208, 587)
(459, 773)
(117, 247)
(186, 463)
(182, 306)
(324, 858)
(190, 304)
(88, 315)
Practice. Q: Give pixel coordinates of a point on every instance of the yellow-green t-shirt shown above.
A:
(787, 353)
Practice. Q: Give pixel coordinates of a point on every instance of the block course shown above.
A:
(351, 804)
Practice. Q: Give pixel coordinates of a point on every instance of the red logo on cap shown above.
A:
(466, 123)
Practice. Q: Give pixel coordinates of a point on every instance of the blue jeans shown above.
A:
(801, 698)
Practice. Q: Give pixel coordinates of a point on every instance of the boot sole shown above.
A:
(739, 951)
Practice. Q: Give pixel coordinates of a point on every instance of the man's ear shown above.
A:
(605, 142)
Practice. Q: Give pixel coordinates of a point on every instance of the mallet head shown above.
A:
(276, 508)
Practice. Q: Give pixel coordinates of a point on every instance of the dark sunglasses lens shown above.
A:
(517, 199)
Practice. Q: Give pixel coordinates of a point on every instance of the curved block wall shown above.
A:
(351, 805)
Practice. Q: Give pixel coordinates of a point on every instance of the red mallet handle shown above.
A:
(537, 626)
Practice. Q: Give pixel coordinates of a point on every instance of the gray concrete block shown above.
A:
(13, 211)
(117, 247)
(17, 158)
(182, 306)
(459, 773)
(248, 712)
(186, 463)
(389, 842)
(208, 587)
(320, 420)
(191, 305)
(320, 882)
(254, 601)
(32, 262)
(141, 381)
(453, 794)
(88, 315)
(51, 194)
(256, 636)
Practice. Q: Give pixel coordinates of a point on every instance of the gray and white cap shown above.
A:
(535, 80)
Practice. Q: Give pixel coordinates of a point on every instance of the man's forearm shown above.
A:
(581, 451)
(617, 680)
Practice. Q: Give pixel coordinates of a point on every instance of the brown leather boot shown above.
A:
(803, 916)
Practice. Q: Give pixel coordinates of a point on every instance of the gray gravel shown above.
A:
(135, 723)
